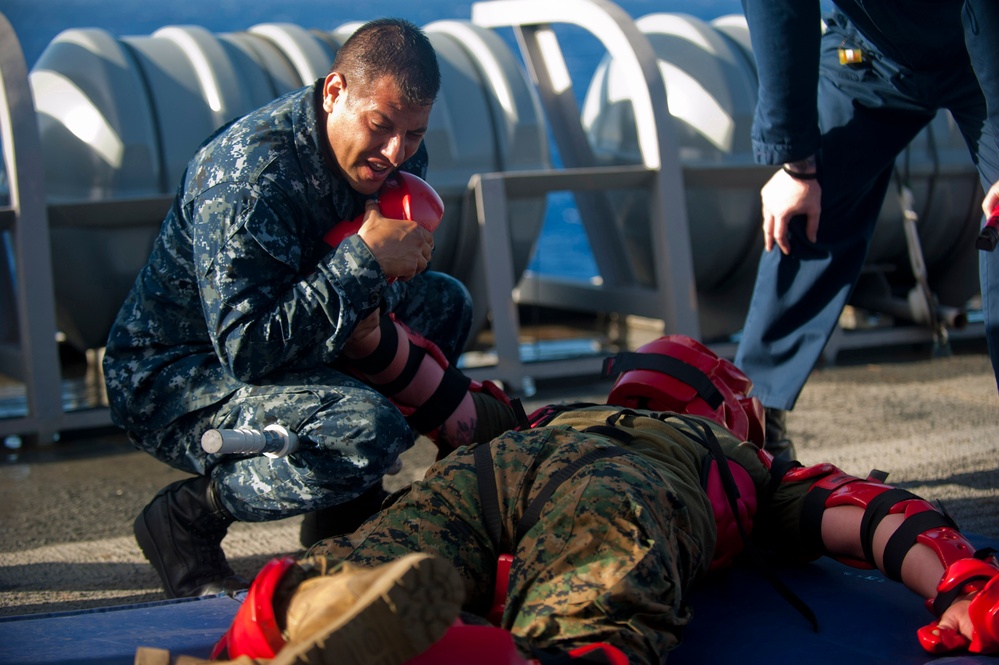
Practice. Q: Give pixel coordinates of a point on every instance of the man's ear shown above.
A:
(334, 86)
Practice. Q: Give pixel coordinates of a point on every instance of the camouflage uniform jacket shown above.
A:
(240, 285)
(675, 445)
(614, 549)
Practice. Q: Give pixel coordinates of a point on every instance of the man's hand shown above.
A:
(785, 197)
(402, 247)
(972, 621)
(991, 199)
(952, 632)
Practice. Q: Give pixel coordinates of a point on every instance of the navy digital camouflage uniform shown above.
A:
(240, 316)
(615, 548)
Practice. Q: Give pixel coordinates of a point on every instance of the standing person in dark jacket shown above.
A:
(835, 110)
(244, 316)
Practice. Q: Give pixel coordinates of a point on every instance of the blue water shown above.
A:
(563, 248)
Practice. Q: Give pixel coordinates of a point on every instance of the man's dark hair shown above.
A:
(391, 47)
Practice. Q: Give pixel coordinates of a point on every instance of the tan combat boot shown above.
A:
(360, 616)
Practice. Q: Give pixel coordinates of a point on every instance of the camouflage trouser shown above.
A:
(351, 433)
(608, 560)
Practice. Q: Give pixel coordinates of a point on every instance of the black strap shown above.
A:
(405, 377)
(445, 401)
(710, 441)
(383, 355)
(611, 431)
(533, 512)
(669, 366)
(905, 537)
(779, 468)
(488, 494)
(878, 476)
(879, 508)
(521, 415)
(811, 517)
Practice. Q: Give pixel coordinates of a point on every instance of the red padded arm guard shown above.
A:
(923, 523)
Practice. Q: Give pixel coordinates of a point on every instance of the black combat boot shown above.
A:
(778, 444)
(181, 532)
(345, 518)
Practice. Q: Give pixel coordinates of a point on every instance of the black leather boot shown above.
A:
(338, 520)
(181, 532)
(778, 443)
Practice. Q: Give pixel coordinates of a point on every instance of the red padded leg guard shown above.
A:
(254, 631)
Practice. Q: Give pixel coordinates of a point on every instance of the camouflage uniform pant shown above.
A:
(351, 434)
(608, 560)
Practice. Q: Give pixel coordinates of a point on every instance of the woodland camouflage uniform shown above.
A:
(614, 550)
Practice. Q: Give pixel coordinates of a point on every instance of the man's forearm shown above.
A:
(785, 36)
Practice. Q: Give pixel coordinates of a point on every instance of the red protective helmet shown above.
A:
(679, 374)
(402, 196)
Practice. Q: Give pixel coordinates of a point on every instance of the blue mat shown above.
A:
(864, 619)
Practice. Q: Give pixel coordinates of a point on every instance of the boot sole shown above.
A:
(399, 617)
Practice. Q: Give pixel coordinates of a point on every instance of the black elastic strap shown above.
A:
(878, 476)
(611, 431)
(488, 493)
(710, 441)
(533, 512)
(378, 360)
(779, 468)
(520, 414)
(445, 400)
(879, 508)
(811, 516)
(905, 537)
(670, 366)
(412, 367)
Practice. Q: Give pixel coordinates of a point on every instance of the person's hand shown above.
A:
(953, 631)
(991, 199)
(785, 197)
(972, 621)
(402, 248)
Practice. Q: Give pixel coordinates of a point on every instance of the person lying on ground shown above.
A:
(579, 536)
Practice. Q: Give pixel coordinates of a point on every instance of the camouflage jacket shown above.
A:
(240, 285)
(770, 507)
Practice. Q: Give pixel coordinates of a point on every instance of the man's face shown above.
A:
(371, 131)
